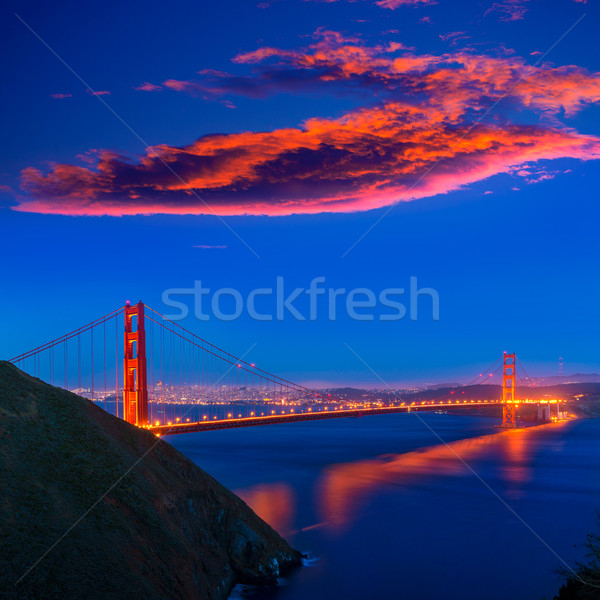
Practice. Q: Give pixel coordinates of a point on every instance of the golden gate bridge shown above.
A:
(173, 381)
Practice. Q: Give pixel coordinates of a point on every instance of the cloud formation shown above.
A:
(98, 92)
(148, 87)
(391, 4)
(343, 64)
(509, 10)
(421, 137)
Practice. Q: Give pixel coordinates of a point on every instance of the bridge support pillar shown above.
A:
(135, 392)
(509, 408)
(509, 415)
(543, 411)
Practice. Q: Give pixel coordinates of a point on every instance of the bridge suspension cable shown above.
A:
(201, 342)
(193, 380)
(171, 377)
(85, 358)
(66, 337)
(525, 372)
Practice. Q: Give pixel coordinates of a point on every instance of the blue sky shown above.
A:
(512, 255)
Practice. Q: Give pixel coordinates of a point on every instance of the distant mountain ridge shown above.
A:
(562, 379)
(483, 391)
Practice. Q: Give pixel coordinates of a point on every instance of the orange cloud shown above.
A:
(364, 160)
(458, 80)
(148, 87)
(422, 138)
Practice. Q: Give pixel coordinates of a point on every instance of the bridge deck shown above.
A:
(176, 428)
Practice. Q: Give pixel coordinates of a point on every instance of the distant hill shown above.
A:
(439, 386)
(349, 391)
(562, 379)
(164, 530)
(564, 391)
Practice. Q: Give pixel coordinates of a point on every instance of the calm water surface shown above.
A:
(388, 511)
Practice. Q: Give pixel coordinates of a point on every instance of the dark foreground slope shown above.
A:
(164, 530)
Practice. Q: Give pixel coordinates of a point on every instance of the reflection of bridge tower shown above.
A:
(509, 406)
(135, 391)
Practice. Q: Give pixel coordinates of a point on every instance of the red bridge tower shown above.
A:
(509, 403)
(135, 392)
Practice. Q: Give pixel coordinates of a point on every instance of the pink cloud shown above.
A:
(98, 92)
(148, 87)
(393, 4)
(509, 10)
(454, 37)
(61, 96)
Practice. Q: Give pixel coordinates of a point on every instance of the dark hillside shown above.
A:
(165, 530)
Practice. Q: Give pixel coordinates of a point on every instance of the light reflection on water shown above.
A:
(391, 513)
(343, 488)
(275, 503)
